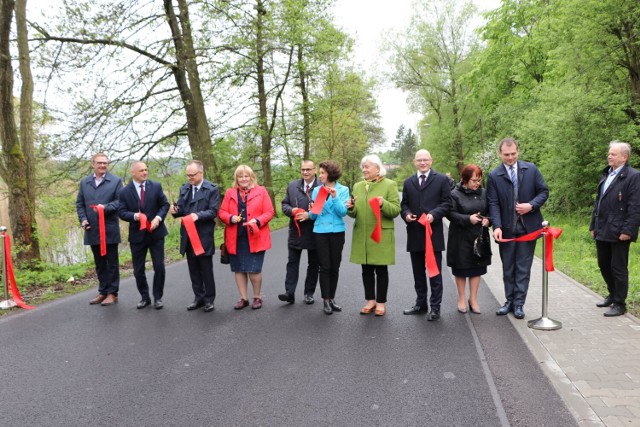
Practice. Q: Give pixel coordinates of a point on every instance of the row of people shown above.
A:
(317, 204)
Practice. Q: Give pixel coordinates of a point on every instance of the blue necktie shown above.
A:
(514, 179)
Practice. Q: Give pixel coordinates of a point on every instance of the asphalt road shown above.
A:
(71, 364)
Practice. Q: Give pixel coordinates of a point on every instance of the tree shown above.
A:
(17, 163)
(405, 145)
(429, 61)
(131, 106)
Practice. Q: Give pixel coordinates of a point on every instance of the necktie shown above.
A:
(194, 191)
(423, 180)
(514, 179)
(307, 188)
(141, 194)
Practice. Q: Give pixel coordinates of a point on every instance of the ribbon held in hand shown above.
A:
(102, 228)
(429, 254)
(376, 235)
(321, 197)
(11, 278)
(192, 232)
(144, 222)
(295, 212)
(550, 235)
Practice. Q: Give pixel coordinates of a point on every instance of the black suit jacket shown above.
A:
(205, 205)
(155, 204)
(434, 198)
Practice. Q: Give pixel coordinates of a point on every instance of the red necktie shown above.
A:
(141, 194)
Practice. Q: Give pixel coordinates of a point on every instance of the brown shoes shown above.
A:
(367, 310)
(110, 300)
(242, 303)
(257, 303)
(98, 299)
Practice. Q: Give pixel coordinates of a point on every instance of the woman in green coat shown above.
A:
(374, 256)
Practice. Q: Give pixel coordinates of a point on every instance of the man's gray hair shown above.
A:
(625, 147)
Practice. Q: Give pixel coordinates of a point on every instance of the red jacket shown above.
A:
(259, 206)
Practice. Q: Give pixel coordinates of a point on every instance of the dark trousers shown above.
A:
(613, 261)
(517, 258)
(329, 258)
(201, 274)
(138, 258)
(376, 282)
(107, 269)
(293, 268)
(420, 280)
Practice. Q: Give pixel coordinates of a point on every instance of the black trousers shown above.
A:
(138, 256)
(107, 269)
(293, 269)
(201, 273)
(420, 280)
(376, 282)
(613, 260)
(329, 247)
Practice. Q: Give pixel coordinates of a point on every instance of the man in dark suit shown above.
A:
(199, 199)
(426, 192)
(144, 201)
(299, 196)
(515, 193)
(614, 225)
(100, 189)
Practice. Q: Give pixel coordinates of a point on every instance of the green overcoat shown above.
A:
(364, 250)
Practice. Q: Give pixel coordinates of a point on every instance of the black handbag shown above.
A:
(482, 244)
(224, 256)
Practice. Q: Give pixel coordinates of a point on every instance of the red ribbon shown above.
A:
(102, 228)
(295, 212)
(11, 278)
(429, 254)
(376, 234)
(550, 234)
(321, 197)
(144, 222)
(192, 232)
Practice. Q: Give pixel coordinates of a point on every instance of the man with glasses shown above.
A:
(425, 192)
(99, 191)
(198, 199)
(515, 193)
(296, 205)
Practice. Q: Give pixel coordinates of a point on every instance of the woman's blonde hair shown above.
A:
(244, 169)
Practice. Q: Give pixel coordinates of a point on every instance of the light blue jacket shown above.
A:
(331, 219)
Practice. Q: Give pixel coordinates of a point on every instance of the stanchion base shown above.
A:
(545, 324)
(7, 304)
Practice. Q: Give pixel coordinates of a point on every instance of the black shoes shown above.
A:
(505, 309)
(327, 307)
(605, 302)
(334, 306)
(434, 315)
(158, 304)
(416, 309)
(143, 303)
(208, 307)
(308, 299)
(615, 310)
(287, 298)
(196, 304)
(518, 312)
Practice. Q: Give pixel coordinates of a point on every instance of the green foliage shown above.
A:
(42, 274)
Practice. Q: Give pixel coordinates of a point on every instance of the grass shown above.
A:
(575, 255)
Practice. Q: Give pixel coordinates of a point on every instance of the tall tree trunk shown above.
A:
(306, 110)
(17, 163)
(188, 81)
(265, 132)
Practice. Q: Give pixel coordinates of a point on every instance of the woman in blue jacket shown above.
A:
(329, 230)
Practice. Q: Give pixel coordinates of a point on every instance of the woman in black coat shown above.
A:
(468, 219)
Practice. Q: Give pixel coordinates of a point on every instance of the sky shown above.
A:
(366, 21)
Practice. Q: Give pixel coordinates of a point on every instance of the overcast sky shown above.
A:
(367, 21)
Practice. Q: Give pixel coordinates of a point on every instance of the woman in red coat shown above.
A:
(246, 210)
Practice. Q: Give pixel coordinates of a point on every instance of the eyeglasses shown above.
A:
(102, 163)
(191, 175)
(306, 169)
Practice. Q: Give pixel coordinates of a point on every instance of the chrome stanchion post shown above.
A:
(545, 323)
(6, 303)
